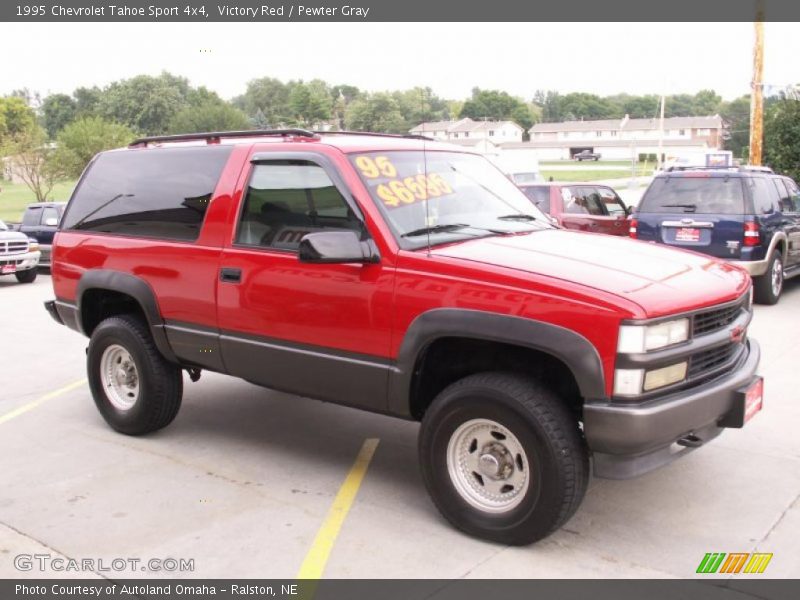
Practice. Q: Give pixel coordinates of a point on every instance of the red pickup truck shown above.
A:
(409, 278)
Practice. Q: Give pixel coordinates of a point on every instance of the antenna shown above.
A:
(425, 170)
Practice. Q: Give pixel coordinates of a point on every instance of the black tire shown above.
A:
(763, 291)
(160, 383)
(27, 276)
(556, 453)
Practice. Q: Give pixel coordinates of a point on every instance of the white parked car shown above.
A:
(19, 255)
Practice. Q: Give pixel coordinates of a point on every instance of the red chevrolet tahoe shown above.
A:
(409, 278)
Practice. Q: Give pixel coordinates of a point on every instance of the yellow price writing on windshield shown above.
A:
(413, 189)
(381, 166)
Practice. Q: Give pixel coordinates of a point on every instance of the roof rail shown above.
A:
(213, 137)
(756, 168)
(408, 136)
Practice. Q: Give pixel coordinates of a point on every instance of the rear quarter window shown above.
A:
(539, 195)
(696, 195)
(157, 193)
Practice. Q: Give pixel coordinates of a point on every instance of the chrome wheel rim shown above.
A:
(777, 277)
(120, 377)
(488, 466)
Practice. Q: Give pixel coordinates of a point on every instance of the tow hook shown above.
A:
(690, 441)
(194, 373)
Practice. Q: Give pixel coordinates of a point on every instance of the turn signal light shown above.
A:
(752, 237)
(632, 229)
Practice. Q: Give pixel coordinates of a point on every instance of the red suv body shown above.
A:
(409, 278)
(581, 206)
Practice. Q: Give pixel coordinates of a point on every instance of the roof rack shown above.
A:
(756, 168)
(408, 136)
(213, 137)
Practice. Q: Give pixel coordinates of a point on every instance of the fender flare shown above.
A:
(575, 351)
(136, 288)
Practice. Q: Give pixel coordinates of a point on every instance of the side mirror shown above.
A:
(327, 247)
(51, 222)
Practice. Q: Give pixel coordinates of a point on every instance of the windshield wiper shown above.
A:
(435, 229)
(690, 207)
(517, 217)
(445, 227)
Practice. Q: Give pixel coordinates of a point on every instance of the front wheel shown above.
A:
(767, 288)
(135, 388)
(27, 276)
(503, 458)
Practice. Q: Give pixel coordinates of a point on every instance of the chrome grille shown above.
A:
(715, 319)
(13, 247)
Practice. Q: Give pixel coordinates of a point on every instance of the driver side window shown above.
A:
(287, 199)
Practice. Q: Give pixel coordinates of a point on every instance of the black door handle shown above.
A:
(230, 275)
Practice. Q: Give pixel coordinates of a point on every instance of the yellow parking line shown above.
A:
(34, 403)
(317, 557)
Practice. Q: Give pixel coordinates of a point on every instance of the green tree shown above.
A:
(550, 103)
(145, 103)
(79, 141)
(706, 103)
(496, 105)
(57, 111)
(267, 96)
(310, 103)
(782, 137)
(16, 117)
(87, 101)
(378, 112)
(209, 116)
(579, 105)
(30, 158)
(419, 105)
(736, 115)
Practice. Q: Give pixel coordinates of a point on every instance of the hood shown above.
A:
(661, 280)
(12, 236)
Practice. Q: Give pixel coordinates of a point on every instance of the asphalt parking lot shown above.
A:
(245, 478)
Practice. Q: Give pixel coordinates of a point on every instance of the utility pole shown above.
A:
(659, 162)
(757, 95)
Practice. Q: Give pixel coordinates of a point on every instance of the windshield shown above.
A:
(693, 194)
(446, 196)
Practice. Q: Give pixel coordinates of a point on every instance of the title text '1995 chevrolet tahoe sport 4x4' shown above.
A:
(409, 278)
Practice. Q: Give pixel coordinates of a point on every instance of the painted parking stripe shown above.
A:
(317, 557)
(21, 410)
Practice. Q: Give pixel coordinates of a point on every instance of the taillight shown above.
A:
(632, 229)
(752, 237)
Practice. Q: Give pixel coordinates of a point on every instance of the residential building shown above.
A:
(625, 138)
(496, 132)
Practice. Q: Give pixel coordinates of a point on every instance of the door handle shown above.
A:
(230, 275)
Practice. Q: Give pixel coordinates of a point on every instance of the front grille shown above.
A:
(715, 319)
(10, 262)
(13, 247)
(710, 360)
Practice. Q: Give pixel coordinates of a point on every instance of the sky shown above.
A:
(451, 58)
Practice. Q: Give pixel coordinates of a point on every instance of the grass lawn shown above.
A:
(599, 163)
(14, 197)
(592, 175)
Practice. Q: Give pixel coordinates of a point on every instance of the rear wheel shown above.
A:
(503, 458)
(134, 387)
(767, 288)
(27, 276)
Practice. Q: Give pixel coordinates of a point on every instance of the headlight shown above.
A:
(635, 339)
(33, 246)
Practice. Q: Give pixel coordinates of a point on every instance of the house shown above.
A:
(625, 138)
(497, 132)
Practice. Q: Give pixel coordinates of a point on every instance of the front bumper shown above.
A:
(22, 262)
(754, 267)
(627, 441)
